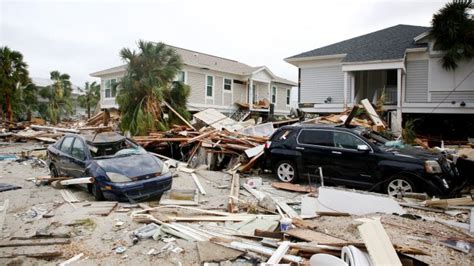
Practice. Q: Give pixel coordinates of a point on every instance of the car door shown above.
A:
(78, 158)
(315, 146)
(63, 159)
(350, 165)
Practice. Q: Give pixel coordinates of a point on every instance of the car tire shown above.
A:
(286, 171)
(97, 192)
(53, 171)
(398, 186)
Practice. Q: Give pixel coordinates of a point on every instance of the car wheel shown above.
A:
(398, 186)
(286, 171)
(97, 192)
(53, 171)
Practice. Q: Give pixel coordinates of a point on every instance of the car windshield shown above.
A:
(116, 149)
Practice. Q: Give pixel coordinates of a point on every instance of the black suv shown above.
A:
(360, 158)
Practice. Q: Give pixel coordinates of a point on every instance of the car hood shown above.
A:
(132, 166)
(418, 153)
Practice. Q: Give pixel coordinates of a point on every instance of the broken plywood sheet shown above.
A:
(262, 130)
(217, 120)
(252, 152)
(249, 226)
(355, 203)
(378, 243)
(185, 197)
(372, 113)
(210, 252)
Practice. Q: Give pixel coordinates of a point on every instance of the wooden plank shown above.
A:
(471, 223)
(378, 243)
(279, 253)
(446, 203)
(287, 209)
(71, 260)
(294, 187)
(33, 254)
(203, 135)
(268, 234)
(233, 203)
(372, 113)
(313, 236)
(351, 116)
(76, 181)
(34, 242)
(178, 115)
(198, 184)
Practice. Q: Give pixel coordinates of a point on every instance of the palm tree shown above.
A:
(13, 74)
(59, 96)
(453, 30)
(91, 97)
(28, 100)
(150, 71)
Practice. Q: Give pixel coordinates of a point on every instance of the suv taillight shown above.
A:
(267, 144)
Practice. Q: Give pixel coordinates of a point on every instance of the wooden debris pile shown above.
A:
(237, 147)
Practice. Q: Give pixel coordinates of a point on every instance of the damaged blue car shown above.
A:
(121, 169)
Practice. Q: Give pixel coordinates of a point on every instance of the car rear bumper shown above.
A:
(137, 190)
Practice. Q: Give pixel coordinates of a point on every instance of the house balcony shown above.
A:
(376, 86)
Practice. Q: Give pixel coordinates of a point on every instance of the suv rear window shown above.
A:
(282, 134)
(316, 137)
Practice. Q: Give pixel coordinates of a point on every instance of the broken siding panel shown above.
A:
(197, 82)
(457, 96)
(239, 92)
(319, 83)
(417, 81)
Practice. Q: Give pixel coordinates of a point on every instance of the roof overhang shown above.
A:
(374, 65)
(296, 60)
(109, 71)
(264, 68)
(417, 50)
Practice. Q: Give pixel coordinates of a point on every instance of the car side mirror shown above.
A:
(363, 148)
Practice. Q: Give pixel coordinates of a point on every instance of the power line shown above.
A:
(449, 94)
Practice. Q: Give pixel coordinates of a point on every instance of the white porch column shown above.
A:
(346, 76)
(352, 88)
(251, 94)
(397, 126)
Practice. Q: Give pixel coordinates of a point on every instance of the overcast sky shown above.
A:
(81, 37)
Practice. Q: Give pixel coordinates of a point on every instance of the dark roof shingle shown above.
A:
(385, 44)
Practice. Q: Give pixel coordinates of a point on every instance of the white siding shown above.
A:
(218, 90)
(281, 98)
(457, 96)
(319, 83)
(197, 82)
(417, 81)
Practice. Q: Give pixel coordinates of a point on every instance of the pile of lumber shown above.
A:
(210, 140)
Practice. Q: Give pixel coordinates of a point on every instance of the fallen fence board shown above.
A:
(76, 181)
(198, 184)
(378, 243)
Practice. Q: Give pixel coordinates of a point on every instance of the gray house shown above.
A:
(400, 63)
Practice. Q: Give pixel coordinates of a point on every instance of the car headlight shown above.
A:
(117, 178)
(165, 169)
(433, 167)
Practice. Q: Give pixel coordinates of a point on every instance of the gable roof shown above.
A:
(386, 44)
(206, 61)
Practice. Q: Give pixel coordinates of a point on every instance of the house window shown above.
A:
(110, 91)
(288, 93)
(209, 86)
(180, 77)
(274, 94)
(227, 84)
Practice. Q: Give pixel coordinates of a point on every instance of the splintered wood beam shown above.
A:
(232, 205)
(178, 115)
(198, 184)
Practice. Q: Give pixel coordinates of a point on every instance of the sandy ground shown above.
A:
(98, 238)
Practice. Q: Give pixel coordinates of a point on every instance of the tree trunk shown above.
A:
(88, 111)
(9, 108)
(28, 115)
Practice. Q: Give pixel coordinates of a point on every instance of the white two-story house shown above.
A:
(400, 62)
(215, 82)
